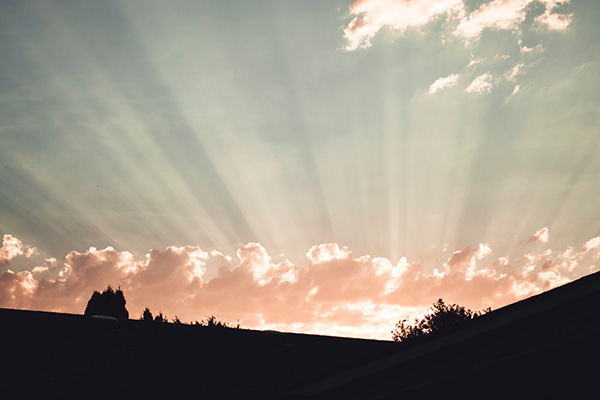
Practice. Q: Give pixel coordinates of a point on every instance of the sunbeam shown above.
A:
(388, 151)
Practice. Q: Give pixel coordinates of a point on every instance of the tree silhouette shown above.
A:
(147, 315)
(109, 302)
(160, 318)
(211, 321)
(440, 318)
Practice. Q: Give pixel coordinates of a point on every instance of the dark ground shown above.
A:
(547, 346)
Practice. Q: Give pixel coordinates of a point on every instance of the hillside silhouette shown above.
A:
(542, 347)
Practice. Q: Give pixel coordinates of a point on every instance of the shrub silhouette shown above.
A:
(109, 302)
(213, 322)
(210, 322)
(441, 318)
(147, 315)
(160, 318)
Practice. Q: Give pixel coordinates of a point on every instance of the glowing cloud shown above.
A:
(514, 72)
(13, 247)
(371, 16)
(336, 293)
(552, 20)
(498, 14)
(441, 83)
(481, 84)
(540, 236)
(592, 244)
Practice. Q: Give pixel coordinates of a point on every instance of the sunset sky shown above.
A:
(312, 166)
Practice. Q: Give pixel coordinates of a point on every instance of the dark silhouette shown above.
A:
(442, 317)
(213, 322)
(147, 315)
(109, 302)
(160, 318)
(545, 346)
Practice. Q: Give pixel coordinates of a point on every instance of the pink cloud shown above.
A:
(592, 243)
(540, 236)
(335, 293)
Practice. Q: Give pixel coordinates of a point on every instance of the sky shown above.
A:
(322, 167)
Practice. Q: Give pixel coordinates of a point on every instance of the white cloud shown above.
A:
(327, 252)
(13, 247)
(445, 82)
(552, 20)
(498, 14)
(369, 17)
(592, 243)
(481, 84)
(514, 72)
(474, 61)
(515, 90)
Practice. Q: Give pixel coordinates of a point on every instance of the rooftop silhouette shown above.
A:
(542, 346)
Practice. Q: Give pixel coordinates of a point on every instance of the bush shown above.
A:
(440, 318)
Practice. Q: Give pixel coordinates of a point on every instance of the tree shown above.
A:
(109, 302)
(147, 315)
(161, 319)
(440, 318)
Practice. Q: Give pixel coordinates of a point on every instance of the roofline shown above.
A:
(498, 318)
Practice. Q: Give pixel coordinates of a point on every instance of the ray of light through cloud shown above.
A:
(336, 292)
(350, 161)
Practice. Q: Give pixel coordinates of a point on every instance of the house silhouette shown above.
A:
(543, 347)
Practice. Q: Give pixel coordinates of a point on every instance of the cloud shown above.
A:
(515, 91)
(493, 64)
(13, 247)
(540, 236)
(498, 14)
(337, 292)
(481, 84)
(592, 244)
(514, 72)
(441, 83)
(553, 20)
(369, 17)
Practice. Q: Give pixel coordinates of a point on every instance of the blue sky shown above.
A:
(394, 128)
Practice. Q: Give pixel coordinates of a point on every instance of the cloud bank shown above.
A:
(369, 17)
(336, 293)
(463, 25)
